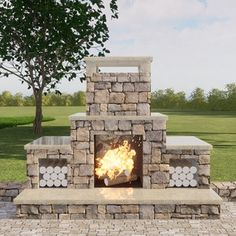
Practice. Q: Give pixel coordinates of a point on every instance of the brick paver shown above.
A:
(225, 226)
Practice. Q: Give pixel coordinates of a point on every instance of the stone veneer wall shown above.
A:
(118, 94)
(203, 161)
(9, 190)
(150, 211)
(33, 157)
(155, 172)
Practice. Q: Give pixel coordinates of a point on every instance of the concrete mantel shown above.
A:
(93, 63)
(83, 116)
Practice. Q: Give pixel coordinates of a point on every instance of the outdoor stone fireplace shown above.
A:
(118, 161)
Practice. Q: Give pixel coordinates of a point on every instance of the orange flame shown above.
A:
(116, 161)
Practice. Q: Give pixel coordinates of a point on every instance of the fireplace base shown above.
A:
(122, 203)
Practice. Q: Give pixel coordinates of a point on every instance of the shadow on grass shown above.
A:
(12, 140)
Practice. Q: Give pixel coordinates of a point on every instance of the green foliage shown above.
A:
(45, 41)
(20, 120)
(51, 99)
(215, 100)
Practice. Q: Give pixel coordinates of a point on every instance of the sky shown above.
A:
(192, 42)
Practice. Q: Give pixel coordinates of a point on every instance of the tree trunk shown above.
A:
(37, 127)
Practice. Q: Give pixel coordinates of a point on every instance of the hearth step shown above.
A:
(122, 203)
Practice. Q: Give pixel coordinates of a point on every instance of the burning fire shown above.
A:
(116, 161)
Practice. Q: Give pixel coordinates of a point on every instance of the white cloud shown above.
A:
(192, 43)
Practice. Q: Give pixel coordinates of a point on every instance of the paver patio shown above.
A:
(224, 226)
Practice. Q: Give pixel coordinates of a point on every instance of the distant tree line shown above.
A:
(51, 99)
(216, 99)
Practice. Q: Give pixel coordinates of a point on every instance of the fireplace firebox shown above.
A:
(118, 161)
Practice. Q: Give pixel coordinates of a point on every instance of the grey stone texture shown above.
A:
(115, 89)
(147, 211)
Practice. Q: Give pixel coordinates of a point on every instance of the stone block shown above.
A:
(128, 87)
(49, 216)
(108, 77)
(204, 159)
(45, 209)
(90, 159)
(165, 208)
(86, 170)
(128, 107)
(103, 108)
(102, 209)
(163, 216)
(190, 209)
(11, 192)
(29, 209)
(81, 145)
(143, 97)
(117, 87)
(111, 124)
(40, 154)
(79, 156)
(145, 169)
(164, 167)
(146, 182)
(156, 155)
(114, 107)
(142, 87)
(124, 125)
(101, 96)
(130, 209)
(32, 170)
(146, 159)
(146, 212)
(31, 159)
(117, 98)
(153, 167)
(210, 209)
(147, 148)
(138, 130)
(143, 109)
(64, 216)
(155, 136)
(123, 77)
(131, 216)
(204, 170)
(159, 124)
(94, 109)
(80, 180)
(131, 97)
(77, 216)
(76, 209)
(82, 134)
(59, 209)
(91, 211)
(90, 87)
(102, 85)
(160, 178)
(98, 125)
(202, 152)
(111, 209)
(89, 97)
(203, 180)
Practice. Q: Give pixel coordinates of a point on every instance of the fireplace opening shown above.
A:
(118, 161)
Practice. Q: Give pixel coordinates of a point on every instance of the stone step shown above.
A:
(122, 203)
(118, 196)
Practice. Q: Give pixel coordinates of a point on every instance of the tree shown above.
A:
(42, 42)
(217, 100)
(198, 99)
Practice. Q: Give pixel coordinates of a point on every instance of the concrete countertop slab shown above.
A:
(50, 143)
(118, 196)
(83, 116)
(186, 142)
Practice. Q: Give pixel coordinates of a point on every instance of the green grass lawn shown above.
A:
(217, 128)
